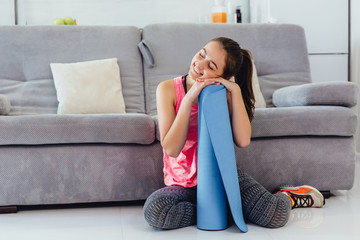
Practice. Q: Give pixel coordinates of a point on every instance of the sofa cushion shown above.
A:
(88, 87)
(271, 82)
(27, 51)
(304, 121)
(276, 49)
(323, 93)
(76, 128)
(157, 132)
(301, 121)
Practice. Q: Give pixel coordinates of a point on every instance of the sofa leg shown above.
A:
(8, 209)
(326, 194)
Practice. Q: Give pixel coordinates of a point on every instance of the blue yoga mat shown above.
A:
(218, 183)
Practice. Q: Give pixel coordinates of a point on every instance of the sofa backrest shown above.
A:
(279, 52)
(27, 51)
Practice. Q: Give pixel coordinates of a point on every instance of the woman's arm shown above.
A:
(174, 127)
(240, 123)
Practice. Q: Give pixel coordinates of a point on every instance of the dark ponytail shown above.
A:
(239, 64)
(244, 79)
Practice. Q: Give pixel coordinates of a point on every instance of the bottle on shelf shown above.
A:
(218, 13)
(238, 18)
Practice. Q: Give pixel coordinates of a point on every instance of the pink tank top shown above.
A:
(182, 170)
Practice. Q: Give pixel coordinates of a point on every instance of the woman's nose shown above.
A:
(202, 63)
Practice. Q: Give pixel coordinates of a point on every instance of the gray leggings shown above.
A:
(175, 206)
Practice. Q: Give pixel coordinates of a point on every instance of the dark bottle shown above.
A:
(238, 14)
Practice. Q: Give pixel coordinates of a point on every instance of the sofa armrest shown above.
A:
(5, 105)
(325, 93)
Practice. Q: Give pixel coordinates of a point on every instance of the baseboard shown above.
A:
(8, 209)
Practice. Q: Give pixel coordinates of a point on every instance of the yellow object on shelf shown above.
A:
(218, 12)
(218, 17)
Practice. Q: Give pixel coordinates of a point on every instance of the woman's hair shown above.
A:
(238, 63)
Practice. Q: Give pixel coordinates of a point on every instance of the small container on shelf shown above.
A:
(238, 16)
(218, 13)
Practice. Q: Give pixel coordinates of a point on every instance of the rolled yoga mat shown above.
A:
(218, 182)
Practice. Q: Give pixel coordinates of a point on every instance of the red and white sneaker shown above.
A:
(304, 196)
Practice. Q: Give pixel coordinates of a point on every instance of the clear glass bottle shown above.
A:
(218, 13)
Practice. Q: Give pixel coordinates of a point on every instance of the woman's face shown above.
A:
(209, 62)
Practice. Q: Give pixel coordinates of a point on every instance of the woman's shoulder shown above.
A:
(171, 84)
(166, 89)
(167, 83)
(167, 86)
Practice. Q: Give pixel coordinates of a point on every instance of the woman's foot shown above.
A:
(304, 196)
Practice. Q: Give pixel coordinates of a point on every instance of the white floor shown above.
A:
(338, 219)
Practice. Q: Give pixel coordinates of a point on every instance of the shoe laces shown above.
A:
(302, 200)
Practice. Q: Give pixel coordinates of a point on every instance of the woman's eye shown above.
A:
(203, 56)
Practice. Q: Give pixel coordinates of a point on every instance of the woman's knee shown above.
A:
(282, 213)
(163, 202)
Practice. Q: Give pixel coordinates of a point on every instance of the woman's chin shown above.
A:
(191, 75)
(194, 75)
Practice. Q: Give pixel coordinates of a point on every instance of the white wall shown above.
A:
(326, 33)
(355, 41)
(7, 13)
(118, 12)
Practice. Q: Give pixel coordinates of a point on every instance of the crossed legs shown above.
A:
(175, 206)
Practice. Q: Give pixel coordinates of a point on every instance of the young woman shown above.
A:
(174, 206)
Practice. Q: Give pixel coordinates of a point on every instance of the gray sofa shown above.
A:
(46, 158)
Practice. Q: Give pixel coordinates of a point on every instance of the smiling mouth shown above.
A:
(196, 71)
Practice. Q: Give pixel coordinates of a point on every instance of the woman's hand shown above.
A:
(196, 88)
(229, 85)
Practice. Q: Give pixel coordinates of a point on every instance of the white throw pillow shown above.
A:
(259, 98)
(88, 87)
